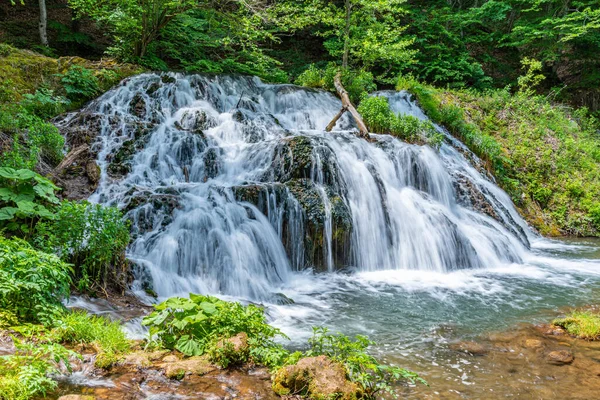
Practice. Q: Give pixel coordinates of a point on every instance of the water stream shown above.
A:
(234, 189)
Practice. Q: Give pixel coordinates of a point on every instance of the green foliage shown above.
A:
(43, 103)
(32, 283)
(32, 137)
(5, 49)
(80, 84)
(25, 374)
(361, 367)
(356, 82)
(25, 197)
(200, 324)
(546, 156)
(358, 33)
(107, 336)
(90, 236)
(532, 78)
(583, 324)
(379, 118)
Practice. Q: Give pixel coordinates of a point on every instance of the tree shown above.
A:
(362, 33)
(43, 23)
(135, 24)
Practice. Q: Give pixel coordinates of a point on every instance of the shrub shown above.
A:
(361, 367)
(32, 283)
(356, 82)
(25, 197)
(32, 138)
(379, 118)
(44, 104)
(106, 335)
(80, 84)
(25, 374)
(90, 236)
(199, 324)
(582, 324)
(312, 77)
(5, 49)
(376, 113)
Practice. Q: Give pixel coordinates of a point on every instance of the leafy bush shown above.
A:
(379, 118)
(5, 49)
(25, 374)
(43, 103)
(80, 84)
(25, 197)
(199, 325)
(312, 77)
(32, 138)
(90, 236)
(376, 113)
(582, 324)
(356, 82)
(361, 367)
(106, 335)
(32, 283)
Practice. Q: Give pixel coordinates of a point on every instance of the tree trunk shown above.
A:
(347, 106)
(345, 56)
(43, 23)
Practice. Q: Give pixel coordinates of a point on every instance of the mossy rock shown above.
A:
(318, 378)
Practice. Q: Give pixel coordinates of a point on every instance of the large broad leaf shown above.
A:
(155, 318)
(26, 206)
(180, 323)
(21, 174)
(179, 303)
(45, 192)
(7, 213)
(189, 346)
(208, 308)
(44, 212)
(6, 194)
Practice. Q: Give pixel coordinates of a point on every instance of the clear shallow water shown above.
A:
(423, 267)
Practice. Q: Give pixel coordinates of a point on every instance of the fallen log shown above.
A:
(70, 158)
(347, 106)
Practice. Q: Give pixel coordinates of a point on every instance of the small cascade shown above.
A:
(232, 184)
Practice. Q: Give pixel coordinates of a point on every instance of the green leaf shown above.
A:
(189, 346)
(208, 308)
(7, 213)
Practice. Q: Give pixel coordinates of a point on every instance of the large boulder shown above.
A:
(316, 378)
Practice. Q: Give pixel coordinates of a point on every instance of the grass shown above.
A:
(546, 156)
(106, 336)
(583, 324)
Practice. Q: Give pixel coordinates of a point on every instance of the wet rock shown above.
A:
(168, 79)
(141, 359)
(533, 343)
(154, 86)
(472, 348)
(137, 106)
(92, 171)
(196, 121)
(316, 378)
(560, 357)
(76, 397)
(189, 366)
(470, 195)
(121, 161)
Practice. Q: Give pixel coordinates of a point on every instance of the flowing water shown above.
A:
(235, 189)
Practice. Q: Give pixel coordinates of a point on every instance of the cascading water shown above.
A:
(232, 184)
(234, 189)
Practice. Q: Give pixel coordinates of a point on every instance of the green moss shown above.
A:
(583, 324)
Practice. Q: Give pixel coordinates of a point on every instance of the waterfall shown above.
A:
(232, 185)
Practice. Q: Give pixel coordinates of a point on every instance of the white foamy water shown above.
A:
(235, 190)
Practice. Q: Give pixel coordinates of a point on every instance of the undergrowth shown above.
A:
(583, 324)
